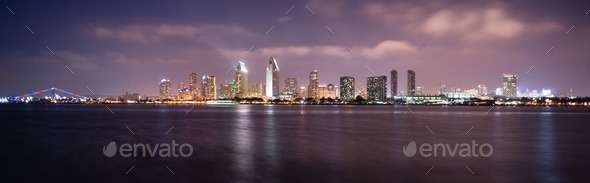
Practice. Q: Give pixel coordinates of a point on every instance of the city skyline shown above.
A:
(114, 55)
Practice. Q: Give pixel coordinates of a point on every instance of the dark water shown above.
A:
(256, 143)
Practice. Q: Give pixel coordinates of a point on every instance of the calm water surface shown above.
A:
(266, 143)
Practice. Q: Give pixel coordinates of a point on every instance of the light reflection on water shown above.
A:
(258, 143)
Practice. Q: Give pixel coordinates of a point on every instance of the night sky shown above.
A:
(118, 46)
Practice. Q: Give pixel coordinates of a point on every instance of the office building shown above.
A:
(393, 83)
(241, 80)
(165, 89)
(347, 88)
(510, 85)
(312, 89)
(291, 85)
(377, 88)
(411, 82)
(272, 78)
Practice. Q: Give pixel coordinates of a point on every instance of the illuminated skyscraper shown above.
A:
(331, 91)
(322, 91)
(393, 83)
(347, 88)
(226, 92)
(241, 80)
(165, 89)
(411, 82)
(192, 84)
(442, 88)
(291, 85)
(256, 90)
(510, 85)
(312, 89)
(377, 88)
(209, 88)
(272, 78)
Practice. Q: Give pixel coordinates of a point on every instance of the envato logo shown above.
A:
(162, 150)
(464, 150)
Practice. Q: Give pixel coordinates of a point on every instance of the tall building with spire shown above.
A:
(272, 78)
(393, 83)
(312, 89)
(411, 82)
(241, 80)
(165, 89)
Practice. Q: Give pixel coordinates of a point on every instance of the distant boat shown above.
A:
(213, 102)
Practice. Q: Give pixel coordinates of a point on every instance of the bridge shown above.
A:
(54, 94)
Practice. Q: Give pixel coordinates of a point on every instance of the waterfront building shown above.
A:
(411, 82)
(377, 88)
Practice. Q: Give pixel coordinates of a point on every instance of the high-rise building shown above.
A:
(411, 82)
(442, 88)
(272, 78)
(291, 85)
(420, 91)
(165, 89)
(393, 83)
(241, 80)
(192, 84)
(347, 88)
(256, 90)
(331, 91)
(322, 91)
(510, 85)
(226, 91)
(377, 88)
(482, 90)
(209, 88)
(312, 89)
